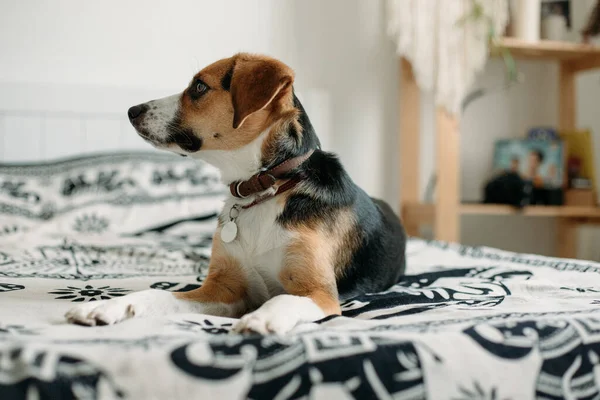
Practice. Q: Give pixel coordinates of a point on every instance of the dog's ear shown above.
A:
(255, 84)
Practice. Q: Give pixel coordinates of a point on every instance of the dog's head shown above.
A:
(225, 107)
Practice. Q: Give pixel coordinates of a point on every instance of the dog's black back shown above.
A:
(379, 239)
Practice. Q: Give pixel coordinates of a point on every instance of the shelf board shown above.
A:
(425, 213)
(582, 56)
(531, 211)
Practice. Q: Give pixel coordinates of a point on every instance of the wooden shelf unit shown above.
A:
(422, 213)
(532, 211)
(445, 213)
(580, 56)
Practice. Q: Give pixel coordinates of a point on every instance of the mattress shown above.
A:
(464, 323)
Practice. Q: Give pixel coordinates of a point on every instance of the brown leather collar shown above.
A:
(290, 184)
(266, 179)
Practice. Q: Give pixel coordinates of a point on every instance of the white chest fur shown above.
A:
(260, 241)
(259, 245)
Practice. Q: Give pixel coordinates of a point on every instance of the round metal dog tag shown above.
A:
(229, 232)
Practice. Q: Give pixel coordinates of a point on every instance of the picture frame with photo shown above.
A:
(541, 162)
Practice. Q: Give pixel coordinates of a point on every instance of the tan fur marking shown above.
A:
(327, 302)
(346, 238)
(308, 270)
(225, 283)
(342, 238)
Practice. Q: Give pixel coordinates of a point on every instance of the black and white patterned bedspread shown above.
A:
(465, 323)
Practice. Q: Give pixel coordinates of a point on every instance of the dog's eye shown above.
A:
(201, 87)
(198, 89)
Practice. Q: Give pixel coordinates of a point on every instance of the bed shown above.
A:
(464, 323)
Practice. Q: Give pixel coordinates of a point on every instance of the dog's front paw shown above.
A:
(265, 323)
(279, 315)
(104, 312)
(108, 312)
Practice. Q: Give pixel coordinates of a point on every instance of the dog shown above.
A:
(296, 236)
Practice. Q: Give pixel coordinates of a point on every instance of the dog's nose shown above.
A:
(136, 111)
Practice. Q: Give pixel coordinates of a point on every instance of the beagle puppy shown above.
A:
(296, 236)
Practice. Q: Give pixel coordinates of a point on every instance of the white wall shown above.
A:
(153, 43)
(345, 65)
(343, 48)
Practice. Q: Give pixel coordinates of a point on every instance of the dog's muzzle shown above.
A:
(136, 117)
(135, 112)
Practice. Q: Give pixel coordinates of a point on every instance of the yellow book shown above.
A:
(579, 144)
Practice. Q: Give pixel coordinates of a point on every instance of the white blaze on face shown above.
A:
(160, 114)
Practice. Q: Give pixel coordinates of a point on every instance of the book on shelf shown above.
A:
(580, 159)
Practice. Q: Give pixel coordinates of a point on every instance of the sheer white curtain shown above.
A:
(446, 42)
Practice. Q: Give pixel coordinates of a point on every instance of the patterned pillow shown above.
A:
(122, 194)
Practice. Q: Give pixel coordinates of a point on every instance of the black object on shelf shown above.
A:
(506, 188)
(548, 197)
(509, 188)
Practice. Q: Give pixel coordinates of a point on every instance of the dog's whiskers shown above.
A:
(174, 129)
